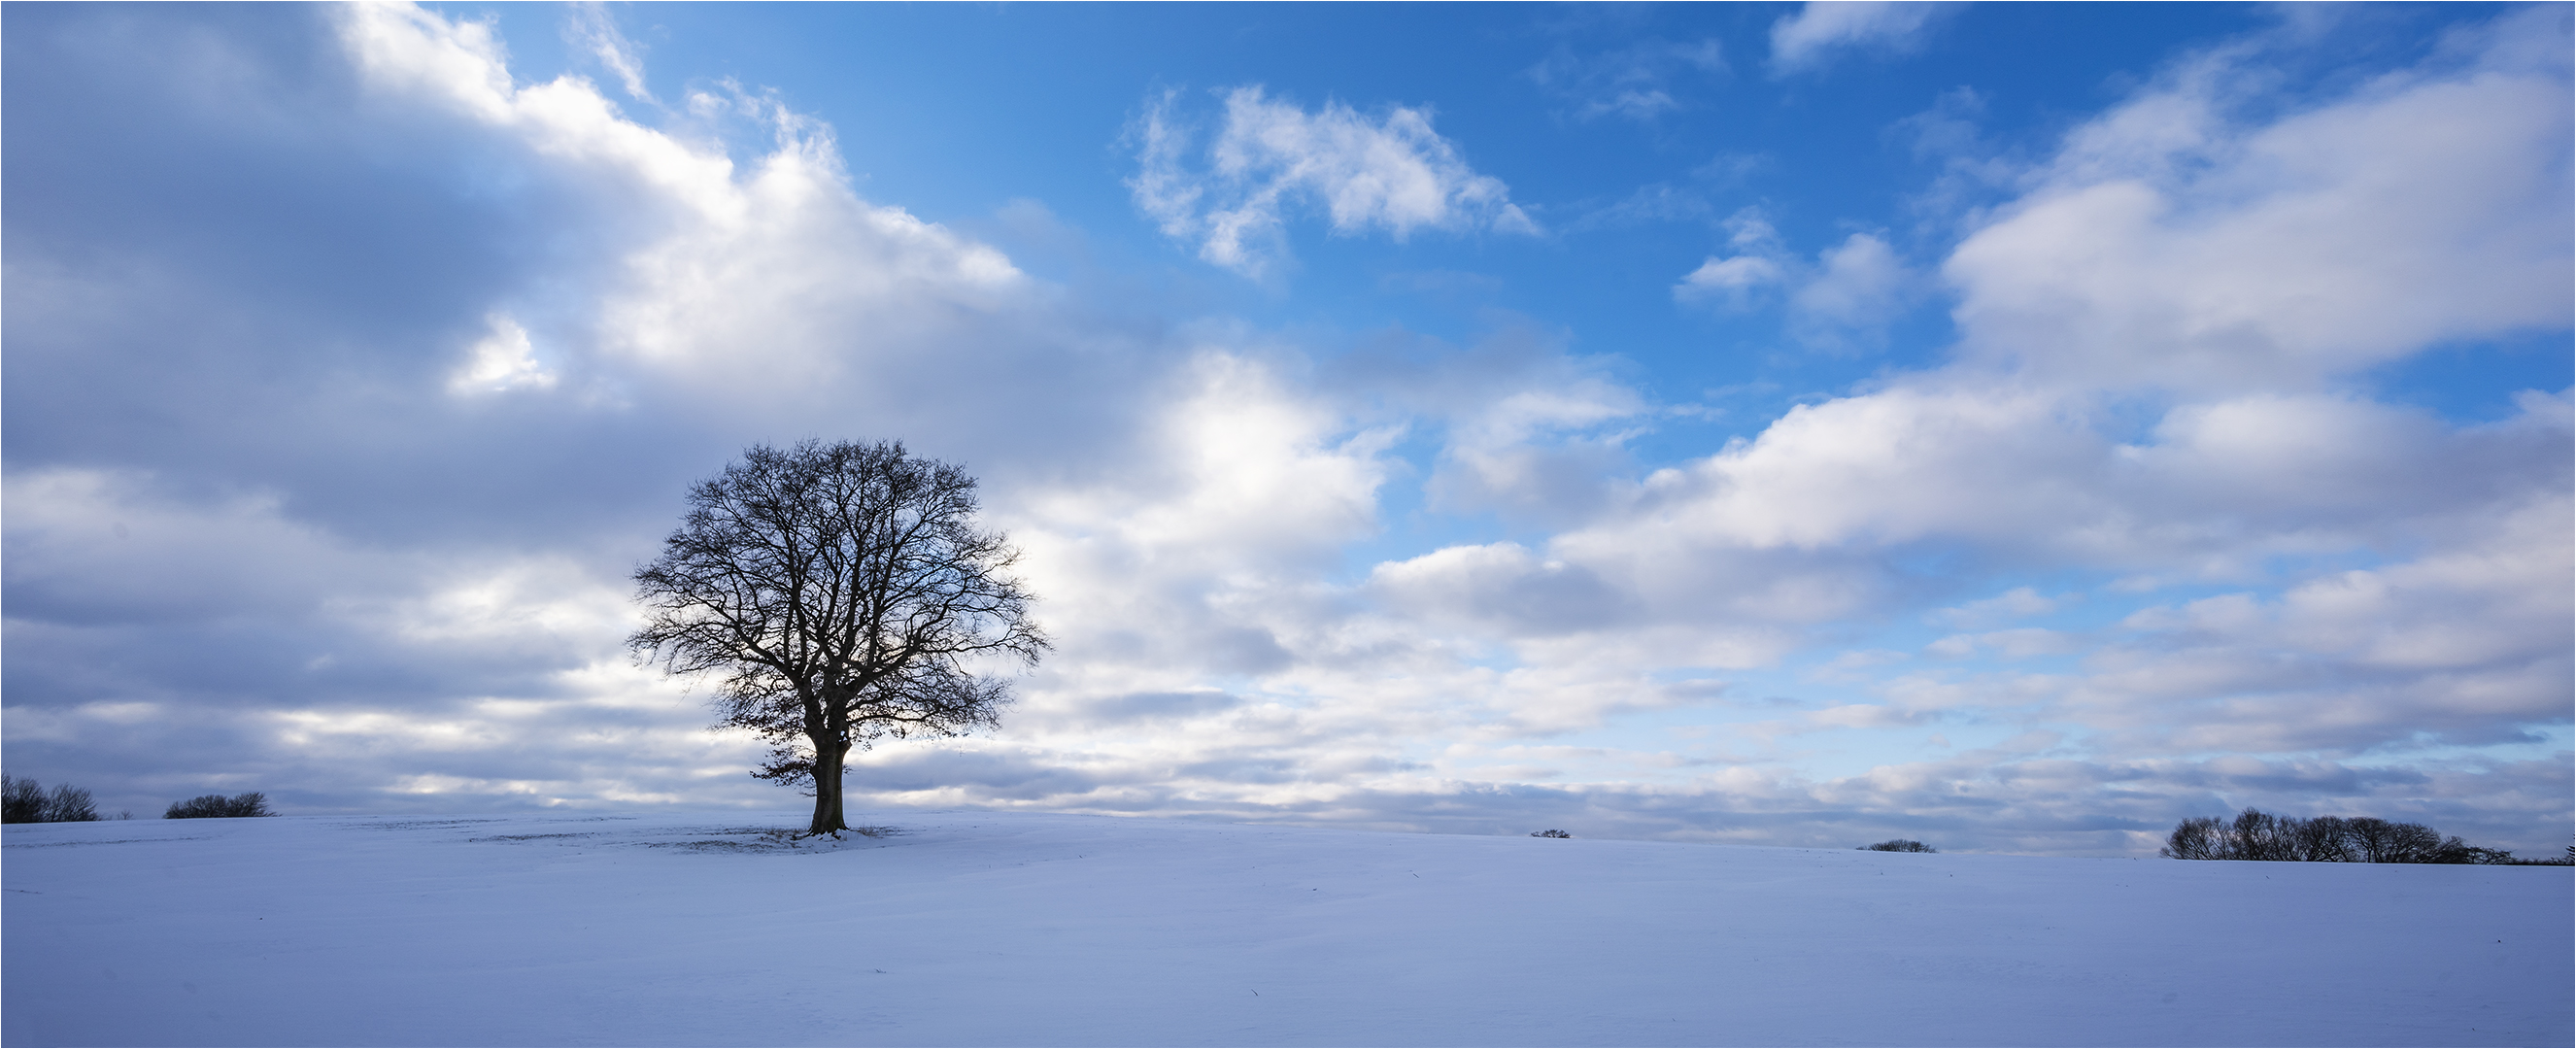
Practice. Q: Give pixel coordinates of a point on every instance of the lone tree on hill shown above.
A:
(842, 593)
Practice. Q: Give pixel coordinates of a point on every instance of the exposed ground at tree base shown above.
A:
(999, 929)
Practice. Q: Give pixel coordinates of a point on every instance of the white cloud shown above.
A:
(106, 544)
(1881, 468)
(1843, 299)
(406, 660)
(1271, 159)
(1736, 281)
(740, 283)
(2466, 645)
(1503, 585)
(1807, 39)
(2005, 447)
(501, 361)
(1543, 451)
(1732, 279)
(2169, 246)
(1240, 462)
(1861, 287)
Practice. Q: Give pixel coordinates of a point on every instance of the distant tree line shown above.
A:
(217, 806)
(1898, 845)
(25, 801)
(2258, 835)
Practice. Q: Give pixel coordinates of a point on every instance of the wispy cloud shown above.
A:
(1635, 82)
(589, 26)
(1269, 161)
(1808, 39)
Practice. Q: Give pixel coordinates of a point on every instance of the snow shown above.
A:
(986, 928)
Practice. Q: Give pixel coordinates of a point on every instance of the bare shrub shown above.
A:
(21, 800)
(25, 801)
(2196, 838)
(69, 804)
(217, 806)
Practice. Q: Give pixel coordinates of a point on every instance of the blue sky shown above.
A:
(2011, 426)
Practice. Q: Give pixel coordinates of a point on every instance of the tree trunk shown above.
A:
(828, 759)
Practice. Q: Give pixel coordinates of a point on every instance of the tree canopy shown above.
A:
(838, 594)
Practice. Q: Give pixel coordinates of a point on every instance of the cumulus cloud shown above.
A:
(1540, 452)
(1501, 583)
(2462, 645)
(1859, 288)
(182, 645)
(1270, 160)
(1843, 299)
(502, 360)
(1809, 38)
(1733, 279)
(2171, 245)
(1760, 263)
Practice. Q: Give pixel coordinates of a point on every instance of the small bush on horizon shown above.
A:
(217, 806)
(1549, 834)
(25, 801)
(1898, 845)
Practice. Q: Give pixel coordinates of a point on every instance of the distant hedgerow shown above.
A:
(217, 806)
(1549, 834)
(2258, 835)
(1898, 845)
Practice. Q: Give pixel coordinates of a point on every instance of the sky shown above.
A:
(2012, 427)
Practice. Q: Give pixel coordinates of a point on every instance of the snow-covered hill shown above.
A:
(983, 928)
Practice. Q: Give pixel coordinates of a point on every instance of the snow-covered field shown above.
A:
(983, 928)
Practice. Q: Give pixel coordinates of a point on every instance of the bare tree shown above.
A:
(21, 800)
(2196, 838)
(25, 801)
(2374, 840)
(2325, 839)
(70, 804)
(840, 593)
(2257, 835)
